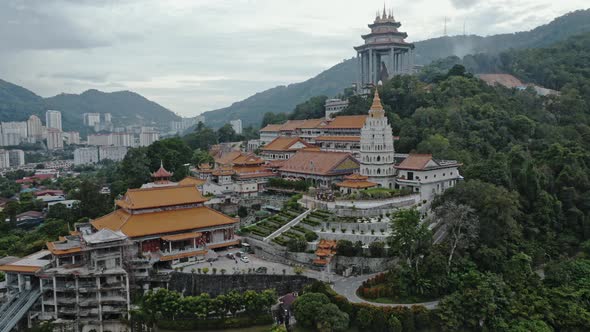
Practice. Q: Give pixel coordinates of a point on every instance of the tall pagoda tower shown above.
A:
(377, 155)
(385, 52)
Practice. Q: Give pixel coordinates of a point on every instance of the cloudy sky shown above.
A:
(194, 56)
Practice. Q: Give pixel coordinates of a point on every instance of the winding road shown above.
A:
(347, 286)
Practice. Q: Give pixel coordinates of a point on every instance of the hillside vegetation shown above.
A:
(332, 81)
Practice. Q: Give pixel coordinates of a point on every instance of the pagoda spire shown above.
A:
(384, 14)
(376, 110)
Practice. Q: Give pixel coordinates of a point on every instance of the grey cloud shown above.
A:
(464, 3)
(26, 26)
(78, 76)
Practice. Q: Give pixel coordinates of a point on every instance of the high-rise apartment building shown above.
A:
(53, 119)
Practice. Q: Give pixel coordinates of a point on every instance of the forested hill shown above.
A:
(283, 99)
(18, 103)
(126, 107)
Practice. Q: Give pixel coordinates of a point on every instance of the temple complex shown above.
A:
(385, 52)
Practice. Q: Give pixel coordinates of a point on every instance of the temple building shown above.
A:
(354, 183)
(377, 154)
(283, 147)
(428, 176)
(169, 223)
(385, 52)
(320, 168)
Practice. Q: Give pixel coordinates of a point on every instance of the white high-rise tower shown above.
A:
(53, 119)
(377, 152)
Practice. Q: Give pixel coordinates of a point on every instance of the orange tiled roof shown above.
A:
(347, 122)
(192, 181)
(327, 243)
(356, 184)
(249, 169)
(162, 222)
(204, 166)
(160, 196)
(319, 261)
(283, 143)
(339, 138)
(183, 236)
(415, 161)
(317, 162)
(52, 247)
(161, 173)
(224, 170)
(248, 159)
(272, 127)
(227, 157)
(20, 268)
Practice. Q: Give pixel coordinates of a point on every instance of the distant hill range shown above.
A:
(126, 107)
(283, 99)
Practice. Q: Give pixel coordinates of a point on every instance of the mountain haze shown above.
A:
(283, 99)
(126, 107)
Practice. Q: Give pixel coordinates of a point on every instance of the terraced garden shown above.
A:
(267, 226)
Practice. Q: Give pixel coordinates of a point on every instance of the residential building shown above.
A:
(107, 117)
(54, 139)
(334, 106)
(53, 120)
(100, 139)
(115, 153)
(16, 158)
(148, 136)
(236, 125)
(4, 159)
(85, 156)
(13, 133)
(71, 137)
(90, 119)
(122, 139)
(34, 128)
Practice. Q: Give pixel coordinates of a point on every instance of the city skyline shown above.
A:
(65, 46)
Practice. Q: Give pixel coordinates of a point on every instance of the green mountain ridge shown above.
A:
(127, 107)
(283, 99)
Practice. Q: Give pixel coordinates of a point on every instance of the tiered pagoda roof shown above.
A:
(356, 181)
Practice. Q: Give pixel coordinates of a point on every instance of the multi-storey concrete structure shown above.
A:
(90, 119)
(85, 156)
(34, 128)
(54, 139)
(72, 137)
(236, 125)
(115, 153)
(107, 118)
(334, 106)
(147, 136)
(53, 119)
(16, 158)
(428, 176)
(122, 139)
(100, 139)
(13, 133)
(385, 52)
(4, 159)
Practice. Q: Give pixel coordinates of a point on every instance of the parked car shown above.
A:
(261, 270)
(211, 259)
(230, 255)
(245, 259)
(239, 254)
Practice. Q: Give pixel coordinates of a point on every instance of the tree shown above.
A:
(459, 223)
(242, 211)
(377, 249)
(226, 134)
(345, 248)
(135, 167)
(296, 245)
(312, 108)
(306, 308)
(410, 237)
(330, 318)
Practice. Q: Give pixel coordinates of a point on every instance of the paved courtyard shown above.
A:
(236, 266)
